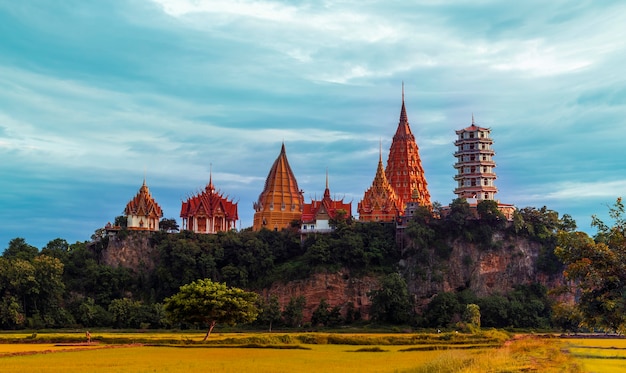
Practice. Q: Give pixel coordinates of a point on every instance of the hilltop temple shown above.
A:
(316, 215)
(402, 182)
(209, 211)
(380, 202)
(281, 201)
(404, 166)
(475, 167)
(142, 212)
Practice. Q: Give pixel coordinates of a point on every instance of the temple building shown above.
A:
(316, 215)
(142, 212)
(475, 167)
(209, 211)
(281, 201)
(404, 166)
(379, 203)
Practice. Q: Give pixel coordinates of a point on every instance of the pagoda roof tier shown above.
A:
(210, 202)
(143, 204)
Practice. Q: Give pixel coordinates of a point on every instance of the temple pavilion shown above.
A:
(142, 212)
(380, 202)
(209, 211)
(316, 215)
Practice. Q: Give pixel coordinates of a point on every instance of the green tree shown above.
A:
(293, 312)
(392, 302)
(321, 314)
(270, 311)
(208, 302)
(168, 225)
(19, 249)
(442, 310)
(472, 315)
(599, 269)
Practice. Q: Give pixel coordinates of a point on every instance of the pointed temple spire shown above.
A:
(281, 200)
(473, 123)
(404, 167)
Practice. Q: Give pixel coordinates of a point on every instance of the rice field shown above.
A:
(599, 355)
(269, 352)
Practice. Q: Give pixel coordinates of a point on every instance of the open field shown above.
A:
(269, 352)
(599, 354)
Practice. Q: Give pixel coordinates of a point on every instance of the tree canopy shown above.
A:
(209, 303)
(599, 269)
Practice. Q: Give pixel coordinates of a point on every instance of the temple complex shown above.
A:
(475, 167)
(209, 211)
(142, 212)
(281, 201)
(317, 214)
(404, 166)
(379, 203)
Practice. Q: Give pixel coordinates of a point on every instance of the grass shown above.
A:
(269, 352)
(599, 354)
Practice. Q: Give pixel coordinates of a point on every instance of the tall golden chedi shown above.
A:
(404, 166)
(379, 203)
(281, 201)
(142, 212)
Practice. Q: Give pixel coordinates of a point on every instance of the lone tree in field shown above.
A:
(208, 302)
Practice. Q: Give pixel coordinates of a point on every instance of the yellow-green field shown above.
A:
(599, 355)
(264, 352)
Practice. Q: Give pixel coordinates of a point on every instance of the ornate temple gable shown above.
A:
(209, 211)
(142, 212)
(379, 202)
(317, 214)
(281, 200)
(404, 166)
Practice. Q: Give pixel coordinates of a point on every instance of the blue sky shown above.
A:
(95, 95)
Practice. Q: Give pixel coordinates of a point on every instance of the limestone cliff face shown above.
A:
(509, 262)
(133, 251)
(339, 289)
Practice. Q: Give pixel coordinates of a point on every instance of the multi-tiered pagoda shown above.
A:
(475, 168)
(281, 201)
(404, 166)
(209, 211)
(474, 163)
(142, 212)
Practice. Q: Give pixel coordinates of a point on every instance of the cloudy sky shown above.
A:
(95, 95)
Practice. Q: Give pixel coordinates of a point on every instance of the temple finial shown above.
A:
(144, 175)
(326, 177)
(403, 91)
(473, 119)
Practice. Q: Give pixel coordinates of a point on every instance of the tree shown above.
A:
(168, 225)
(19, 249)
(321, 314)
(208, 302)
(472, 315)
(293, 312)
(392, 302)
(270, 311)
(599, 269)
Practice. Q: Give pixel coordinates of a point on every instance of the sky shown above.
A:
(95, 96)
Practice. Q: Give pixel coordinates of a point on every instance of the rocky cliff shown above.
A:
(507, 261)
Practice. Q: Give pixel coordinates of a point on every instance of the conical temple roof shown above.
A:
(281, 195)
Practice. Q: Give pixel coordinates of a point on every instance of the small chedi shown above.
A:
(209, 211)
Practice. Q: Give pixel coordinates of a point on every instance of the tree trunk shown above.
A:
(208, 333)
(270, 326)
